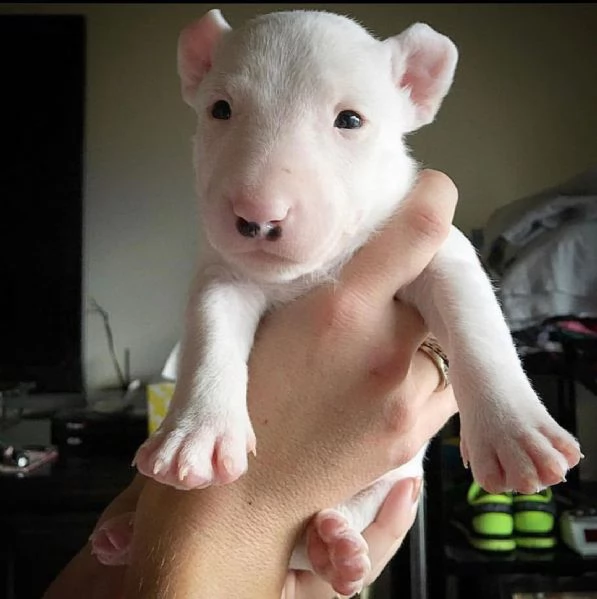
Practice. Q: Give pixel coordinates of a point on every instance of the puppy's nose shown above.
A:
(270, 230)
(260, 207)
(246, 228)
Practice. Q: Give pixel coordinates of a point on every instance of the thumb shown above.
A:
(396, 516)
(408, 241)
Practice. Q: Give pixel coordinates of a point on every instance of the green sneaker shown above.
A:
(534, 520)
(486, 520)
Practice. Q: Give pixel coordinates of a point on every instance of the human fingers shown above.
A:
(418, 408)
(407, 243)
(395, 518)
(124, 502)
(111, 537)
(111, 543)
(384, 536)
(432, 407)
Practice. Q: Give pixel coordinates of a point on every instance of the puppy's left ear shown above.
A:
(423, 64)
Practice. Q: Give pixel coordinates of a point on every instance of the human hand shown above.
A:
(353, 344)
(338, 395)
(384, 536)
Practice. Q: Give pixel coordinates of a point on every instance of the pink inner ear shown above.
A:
(193, 67)
(196, 46)
(428, 60)
(424, 79)
(412, 81)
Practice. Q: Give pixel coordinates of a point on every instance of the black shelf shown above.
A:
(569, 365)
(460, 559)
(562, 561)
(454, 569)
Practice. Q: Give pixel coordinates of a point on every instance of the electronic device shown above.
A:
(10, 455)
(26, 459)
(578, 529)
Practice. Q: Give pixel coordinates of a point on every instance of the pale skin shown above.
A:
(338, 393)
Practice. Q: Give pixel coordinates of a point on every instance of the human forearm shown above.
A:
(236, 540)
(217, 542)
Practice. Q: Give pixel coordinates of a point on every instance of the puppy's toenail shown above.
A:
(228, 465)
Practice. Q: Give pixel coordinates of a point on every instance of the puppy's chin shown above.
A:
(265, 267)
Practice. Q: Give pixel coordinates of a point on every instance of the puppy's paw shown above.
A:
(522, 450)
(195, 453)
(111, 542)
(338, 553)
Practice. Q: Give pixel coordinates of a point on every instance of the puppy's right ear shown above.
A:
(196, 45)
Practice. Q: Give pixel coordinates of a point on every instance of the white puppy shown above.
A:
(299, 156)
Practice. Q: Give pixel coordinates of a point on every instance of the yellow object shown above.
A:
(158, 400)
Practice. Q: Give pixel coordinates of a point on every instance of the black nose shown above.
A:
(269, 230)
(247, 229)
(273, 232)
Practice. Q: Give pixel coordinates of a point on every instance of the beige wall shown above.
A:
(522, 115)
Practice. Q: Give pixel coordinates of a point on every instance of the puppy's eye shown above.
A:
(221, 110)
(348, 119)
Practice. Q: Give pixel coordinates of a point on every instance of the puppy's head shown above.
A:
(301, 115)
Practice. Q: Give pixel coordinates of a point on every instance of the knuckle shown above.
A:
(399, 418)
(404, 450)
(428, 225)
(388, 368)
(432, 220)
(401, 362)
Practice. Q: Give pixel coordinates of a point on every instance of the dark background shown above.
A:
(42, 65)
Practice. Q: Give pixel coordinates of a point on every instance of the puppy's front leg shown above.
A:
(206, 434)
(509, 438)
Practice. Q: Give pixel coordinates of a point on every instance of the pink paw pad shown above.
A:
(338, 553)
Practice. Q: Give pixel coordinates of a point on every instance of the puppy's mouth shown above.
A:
(267, 255)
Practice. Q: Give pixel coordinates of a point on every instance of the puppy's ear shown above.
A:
(423, 63)
(196, 45)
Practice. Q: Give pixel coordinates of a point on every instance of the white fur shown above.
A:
(279, 158)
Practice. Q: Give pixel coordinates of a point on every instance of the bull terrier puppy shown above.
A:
(299, 155)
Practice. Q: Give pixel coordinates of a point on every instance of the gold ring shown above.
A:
(434, 350)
